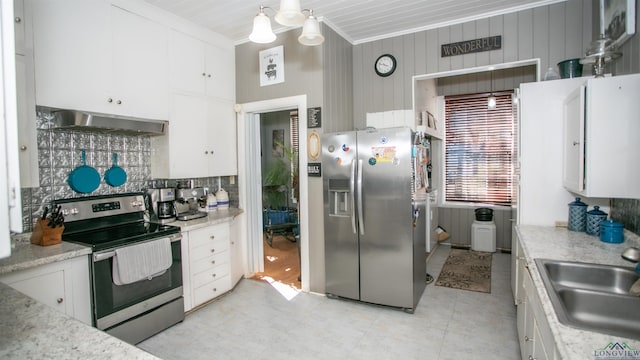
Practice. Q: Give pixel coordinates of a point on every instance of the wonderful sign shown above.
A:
(472, 46)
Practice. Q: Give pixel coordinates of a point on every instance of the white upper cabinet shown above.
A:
(199, 68)
(140, 65)
(601, 147)
(93, 56)
(201, 140)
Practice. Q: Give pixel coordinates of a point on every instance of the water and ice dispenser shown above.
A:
(339, 197)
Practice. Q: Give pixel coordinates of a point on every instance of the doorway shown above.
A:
(279, 167)
(250, 180)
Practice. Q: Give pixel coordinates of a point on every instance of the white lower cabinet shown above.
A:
(534, 335)
(63, 286)
(205, 264)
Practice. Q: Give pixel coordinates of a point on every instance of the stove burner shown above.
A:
(117, 236)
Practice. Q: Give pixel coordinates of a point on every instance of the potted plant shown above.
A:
(279, 178)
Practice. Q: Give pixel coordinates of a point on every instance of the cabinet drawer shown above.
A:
(211, 290)
(205, 236)
(210, 275)
(209, 262)
(207, 250)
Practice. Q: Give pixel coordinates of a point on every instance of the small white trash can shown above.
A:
(483, 236)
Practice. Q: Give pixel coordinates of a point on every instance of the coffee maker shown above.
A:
(190, 203)
(163, 207)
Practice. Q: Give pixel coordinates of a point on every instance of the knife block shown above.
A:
(44, 235)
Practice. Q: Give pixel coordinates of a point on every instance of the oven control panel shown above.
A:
(97, 207)
(107, 206)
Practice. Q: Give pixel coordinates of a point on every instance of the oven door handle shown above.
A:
(103, 256)
(109, 254)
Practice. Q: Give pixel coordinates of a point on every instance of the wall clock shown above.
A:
(385, 65)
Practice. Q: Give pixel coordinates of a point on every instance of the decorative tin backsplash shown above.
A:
(59, 152)
(627, 211)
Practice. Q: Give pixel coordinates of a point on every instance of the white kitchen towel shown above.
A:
(142, 261)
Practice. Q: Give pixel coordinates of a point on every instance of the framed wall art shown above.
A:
(272, 66)
(618, 20)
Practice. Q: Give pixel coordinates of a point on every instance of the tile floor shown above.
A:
(256, 322)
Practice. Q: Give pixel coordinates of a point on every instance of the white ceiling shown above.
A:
(358, 21)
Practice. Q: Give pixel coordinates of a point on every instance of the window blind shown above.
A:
(480, 148)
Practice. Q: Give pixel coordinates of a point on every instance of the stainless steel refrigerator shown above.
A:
(374, 217)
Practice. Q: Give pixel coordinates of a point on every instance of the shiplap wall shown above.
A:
(552, 33)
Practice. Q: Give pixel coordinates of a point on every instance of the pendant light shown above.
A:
(262, 33)
(289, 13)
(311, 35)
(491, 100)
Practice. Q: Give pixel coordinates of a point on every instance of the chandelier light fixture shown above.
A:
(599, 53)
(289, 14)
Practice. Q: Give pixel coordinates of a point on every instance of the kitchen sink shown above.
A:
(593, 296)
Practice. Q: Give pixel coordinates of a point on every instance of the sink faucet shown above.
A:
(632, 254)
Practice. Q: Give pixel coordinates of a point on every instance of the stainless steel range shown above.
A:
(136, 268)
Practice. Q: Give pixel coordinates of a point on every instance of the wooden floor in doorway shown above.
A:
(281, 262)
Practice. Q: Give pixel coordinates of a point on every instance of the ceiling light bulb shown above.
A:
(491, 102)
(290, 13)
(262, 33)
(311, 34)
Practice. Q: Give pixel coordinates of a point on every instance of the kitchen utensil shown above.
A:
(84, 179)
(115, 176)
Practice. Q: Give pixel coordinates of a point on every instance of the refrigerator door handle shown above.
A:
(351, 191)
(360, 217)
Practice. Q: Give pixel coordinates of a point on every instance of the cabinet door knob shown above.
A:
(576, 143)
(213, 261)
(18, 20)
(212, 237)
(204, 74)
(214, 275)
(59, 300)
(209, 75)
(119, 102)
(526, 338)
(215, 289)
(531, 357)
(23, 147)
(213, 250)
(109, 100)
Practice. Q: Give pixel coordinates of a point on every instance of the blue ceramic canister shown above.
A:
(594, 218)
(577, 216)
(611, 232)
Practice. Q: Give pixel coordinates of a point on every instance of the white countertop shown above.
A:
(212, 218)
(31, 330)
(539, 242)
(25, 255)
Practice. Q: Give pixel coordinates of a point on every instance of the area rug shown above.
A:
(467, 270)
(281, 262)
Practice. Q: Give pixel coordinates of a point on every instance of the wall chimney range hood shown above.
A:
(88, 121)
